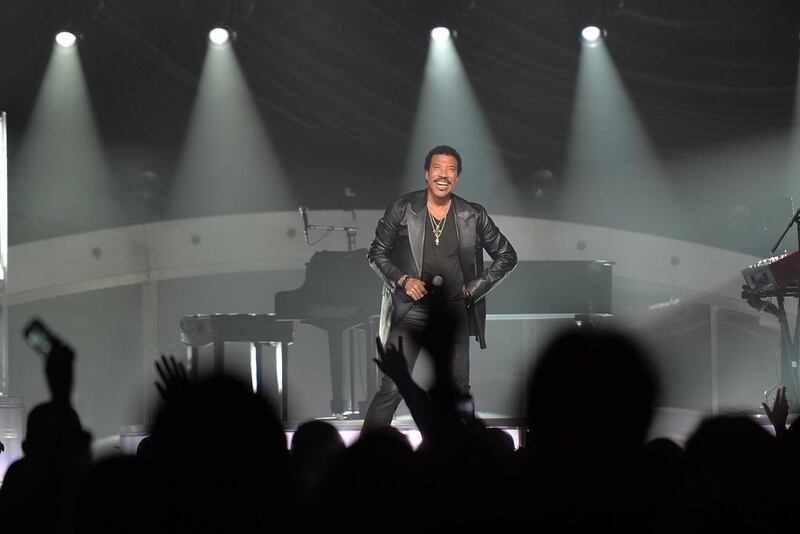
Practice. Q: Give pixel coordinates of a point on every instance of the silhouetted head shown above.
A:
(219, 454)
(375, 465)
(500, 441)
(315, 443)
(730, 444)
(219, 415)
(54, 429)
(664, 450)
(591, 389)
(734, 478)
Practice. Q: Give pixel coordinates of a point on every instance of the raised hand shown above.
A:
(173, 375)
(58, 370)
(392, 361)
(394, 365)
(779, 412)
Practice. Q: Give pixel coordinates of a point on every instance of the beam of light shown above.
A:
(66, 39)
(440, 34)
(613, 176)
(742, 195)
(60, 182)
(218, 36)
(228, 163)
(448, 113)
(793, 170)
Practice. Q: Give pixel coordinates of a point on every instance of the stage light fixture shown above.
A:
(591, 35)
(218, 36)
(440, 34)
(66, 39)
(543, 184)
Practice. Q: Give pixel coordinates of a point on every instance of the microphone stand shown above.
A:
(792, 221)
(789, 346)
(351, 231)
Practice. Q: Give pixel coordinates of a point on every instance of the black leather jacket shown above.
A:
(399, 242)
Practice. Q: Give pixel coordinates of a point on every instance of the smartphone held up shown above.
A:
(42, 339)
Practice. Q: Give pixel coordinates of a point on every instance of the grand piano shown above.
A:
(341, 292)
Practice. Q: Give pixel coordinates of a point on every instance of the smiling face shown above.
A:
(442, 175)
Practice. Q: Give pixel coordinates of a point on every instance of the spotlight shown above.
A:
(591, 35)
(440, 34)
(66, 39)
(218, 36)
(543, 184)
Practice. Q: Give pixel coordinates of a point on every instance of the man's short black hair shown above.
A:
(447, 151)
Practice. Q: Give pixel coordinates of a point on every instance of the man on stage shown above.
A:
(429, 244)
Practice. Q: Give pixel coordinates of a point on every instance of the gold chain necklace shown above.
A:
(438, 225)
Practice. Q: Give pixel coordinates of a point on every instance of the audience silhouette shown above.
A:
(217, 458)
(38, 490)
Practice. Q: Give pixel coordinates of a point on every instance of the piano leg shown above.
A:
(194, 363)
(258, 350)
(353, 334)
(275, 376)
(335, 349)
(284, 389)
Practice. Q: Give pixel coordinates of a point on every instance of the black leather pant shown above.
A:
(383, 405)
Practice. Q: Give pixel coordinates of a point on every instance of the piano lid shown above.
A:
(339, 286)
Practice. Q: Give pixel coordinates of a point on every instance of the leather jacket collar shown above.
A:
(415, 221)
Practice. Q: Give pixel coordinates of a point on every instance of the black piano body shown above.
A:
(340, 292)
(575, 289)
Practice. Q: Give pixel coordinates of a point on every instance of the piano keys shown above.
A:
(775, 276)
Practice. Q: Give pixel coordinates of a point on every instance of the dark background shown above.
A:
(337, 85)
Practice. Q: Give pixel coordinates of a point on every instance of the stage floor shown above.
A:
(350, 429)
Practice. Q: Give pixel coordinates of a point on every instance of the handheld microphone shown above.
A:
(435, 286)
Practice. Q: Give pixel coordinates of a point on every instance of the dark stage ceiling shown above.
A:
(337, 84)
